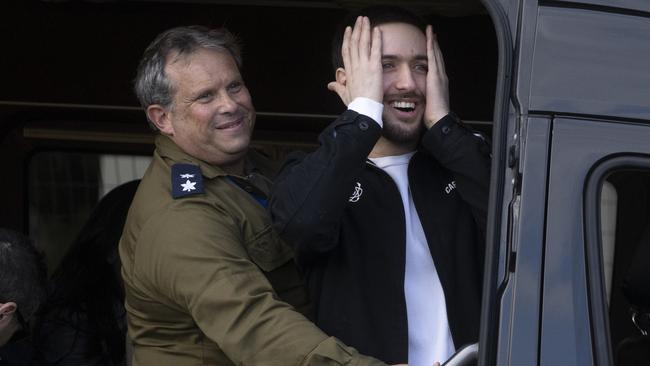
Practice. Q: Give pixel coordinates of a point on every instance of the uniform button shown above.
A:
(445, 130)
(363, 125)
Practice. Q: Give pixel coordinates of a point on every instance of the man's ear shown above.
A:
(340, 76)
(339, 87)
(159, 116)
(7, 311)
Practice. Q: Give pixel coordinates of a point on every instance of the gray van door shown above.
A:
(579, 99)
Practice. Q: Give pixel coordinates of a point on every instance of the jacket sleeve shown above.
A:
(311, 191)
(467, 155)
(205, 269)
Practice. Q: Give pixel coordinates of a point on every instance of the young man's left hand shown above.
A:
(437, 82)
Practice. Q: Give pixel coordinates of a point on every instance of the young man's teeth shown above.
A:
(404, 105)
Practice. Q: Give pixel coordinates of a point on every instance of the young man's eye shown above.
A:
(421, 67)
(386, 65)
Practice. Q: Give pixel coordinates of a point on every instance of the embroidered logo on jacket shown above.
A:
(358, 191)
(450, 187)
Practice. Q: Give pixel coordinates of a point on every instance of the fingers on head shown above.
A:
(376, 44)
(356, 31)
(430, 43)
(355, 38)
(364, 38)
(433, 50)
(439, 58)
(345, 46)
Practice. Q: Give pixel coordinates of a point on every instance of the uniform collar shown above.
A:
(167, 149)
(254, 164)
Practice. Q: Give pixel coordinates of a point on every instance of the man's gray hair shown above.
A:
(152, 86)
(22, 274)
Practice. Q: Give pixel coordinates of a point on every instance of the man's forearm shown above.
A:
(310, 194)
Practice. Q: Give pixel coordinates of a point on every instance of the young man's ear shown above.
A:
(338, 86)
(159, 116)
(340, 76)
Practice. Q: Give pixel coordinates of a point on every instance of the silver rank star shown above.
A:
(188, 186)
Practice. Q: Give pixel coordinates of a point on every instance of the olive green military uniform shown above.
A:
(198, 271)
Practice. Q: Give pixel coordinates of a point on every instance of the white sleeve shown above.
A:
(368, 107)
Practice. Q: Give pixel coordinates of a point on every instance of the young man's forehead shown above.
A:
(400, 25)
(398, 38)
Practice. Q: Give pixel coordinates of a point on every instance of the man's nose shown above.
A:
(226, 103)
(405, 80)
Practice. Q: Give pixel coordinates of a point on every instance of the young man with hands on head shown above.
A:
(387, 217)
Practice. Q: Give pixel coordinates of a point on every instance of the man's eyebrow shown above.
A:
(395, 57)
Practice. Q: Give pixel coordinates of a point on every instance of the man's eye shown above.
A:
(235, 87)
(421, 67)
(205, 97)
(386, 65)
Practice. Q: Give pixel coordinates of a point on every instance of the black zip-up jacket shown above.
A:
(345, 219)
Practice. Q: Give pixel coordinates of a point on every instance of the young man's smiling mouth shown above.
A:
(403, 106)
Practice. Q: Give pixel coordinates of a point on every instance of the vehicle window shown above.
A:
(63, 187)
(625, 240)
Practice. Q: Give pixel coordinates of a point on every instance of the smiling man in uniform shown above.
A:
(207, 279)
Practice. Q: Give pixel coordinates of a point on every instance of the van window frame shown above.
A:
(488, 333)
(597, 300)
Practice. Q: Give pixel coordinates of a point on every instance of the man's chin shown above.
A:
(403, 134)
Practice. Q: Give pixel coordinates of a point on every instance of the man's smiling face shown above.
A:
(212, 116)
(404, 62)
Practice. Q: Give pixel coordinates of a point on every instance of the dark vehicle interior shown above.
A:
(71, 128)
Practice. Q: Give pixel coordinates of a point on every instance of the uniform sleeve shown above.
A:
(311, 191)
(467, 155)
(201, 265)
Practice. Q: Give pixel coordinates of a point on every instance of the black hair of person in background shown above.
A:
(84, 319)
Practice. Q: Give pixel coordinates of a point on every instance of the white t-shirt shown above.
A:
(428, 329)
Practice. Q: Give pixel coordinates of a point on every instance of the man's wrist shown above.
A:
(368, 107)
(432, 120)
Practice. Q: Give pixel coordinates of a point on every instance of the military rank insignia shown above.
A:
(186, 180)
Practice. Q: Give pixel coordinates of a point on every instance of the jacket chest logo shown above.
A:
(450, 187)
(358, 191)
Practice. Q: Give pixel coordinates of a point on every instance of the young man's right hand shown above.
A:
(361, 75)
